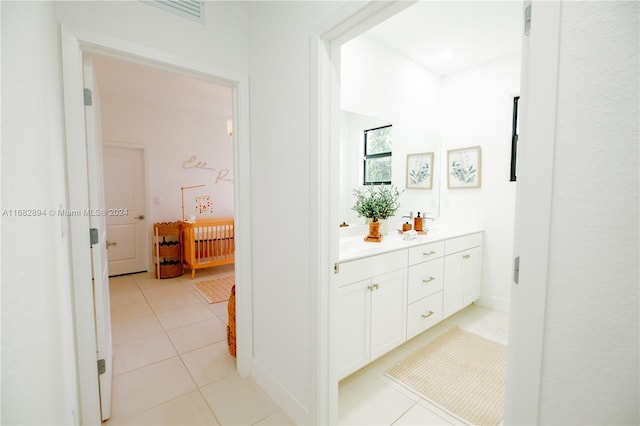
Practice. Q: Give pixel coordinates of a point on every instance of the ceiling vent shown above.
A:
(189, 9)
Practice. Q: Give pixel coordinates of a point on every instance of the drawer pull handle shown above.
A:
(428, 253)
(428, 280)
(428, 315)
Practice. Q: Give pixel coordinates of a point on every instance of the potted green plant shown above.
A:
(379, 201)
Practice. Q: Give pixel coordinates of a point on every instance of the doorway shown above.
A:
(161, 324)
(499, 271)
(74, 47)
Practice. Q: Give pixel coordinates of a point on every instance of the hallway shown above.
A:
(171, 364)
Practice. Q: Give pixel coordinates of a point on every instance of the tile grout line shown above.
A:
(198, 388)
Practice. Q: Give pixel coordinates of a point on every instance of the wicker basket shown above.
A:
(231, 328)
(169, 250)
(169, 271)
(168, 228)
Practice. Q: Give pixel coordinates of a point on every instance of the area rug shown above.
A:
(460, 372)
(216, 290)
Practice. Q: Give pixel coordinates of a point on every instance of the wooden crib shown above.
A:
(208, 242)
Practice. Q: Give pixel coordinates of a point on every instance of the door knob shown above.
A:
(141, 217)
(111, 244)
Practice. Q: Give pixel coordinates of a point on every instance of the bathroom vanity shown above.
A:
(391, 291)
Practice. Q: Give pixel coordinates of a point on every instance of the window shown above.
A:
(377, 156)
(514, 138)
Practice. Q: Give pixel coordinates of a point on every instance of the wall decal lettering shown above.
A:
(194, 163)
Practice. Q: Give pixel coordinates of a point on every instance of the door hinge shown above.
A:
(88, 97)
(336, 268)
(516, 269)
(94, 236)
(527, 20)
(102, 367)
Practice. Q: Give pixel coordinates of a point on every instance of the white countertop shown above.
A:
(354, 247)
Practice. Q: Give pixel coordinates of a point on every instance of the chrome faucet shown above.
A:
(410, 217)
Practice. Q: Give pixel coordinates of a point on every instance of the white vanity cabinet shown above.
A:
(425, 284)
(462, 272)
(387, 298)
(370, 312)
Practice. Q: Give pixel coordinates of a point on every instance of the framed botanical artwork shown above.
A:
(464, 168)
(420, 171)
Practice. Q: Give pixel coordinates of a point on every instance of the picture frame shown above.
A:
(420, 171)
(464, 168)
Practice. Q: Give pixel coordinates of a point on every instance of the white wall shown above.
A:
(590, 361)
(38, 371)
(221, 42)
(284, 273)
(477, 109)
(179, 141)
(38, 363)
(381, 83)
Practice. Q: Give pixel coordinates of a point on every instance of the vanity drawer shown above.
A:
(426, 252)
(361, 269)
(423, 314)
(455, 245)
(425, 278)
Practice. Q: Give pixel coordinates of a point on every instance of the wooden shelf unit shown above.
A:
(167, 249)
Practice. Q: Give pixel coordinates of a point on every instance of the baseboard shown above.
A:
(495, 303)
(289, 404)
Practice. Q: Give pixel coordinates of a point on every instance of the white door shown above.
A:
(452, 294)
(125, 195)
(353, 307)
(471, 275)
(100, 269)
(537, 110)
(388, 312)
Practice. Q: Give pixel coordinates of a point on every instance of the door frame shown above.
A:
(325, 135)
(352, 20)
(74, 42)
(147, 197)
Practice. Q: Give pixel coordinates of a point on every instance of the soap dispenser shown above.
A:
(417, 223)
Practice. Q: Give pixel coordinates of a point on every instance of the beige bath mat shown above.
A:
(460, 372)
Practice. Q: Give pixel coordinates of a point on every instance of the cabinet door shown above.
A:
(353, 313)
(471, 275)
(388, 312)
(452, 294)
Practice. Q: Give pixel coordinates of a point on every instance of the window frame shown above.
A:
(367, 157)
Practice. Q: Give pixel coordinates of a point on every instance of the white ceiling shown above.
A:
(474, 32)
(132, 81)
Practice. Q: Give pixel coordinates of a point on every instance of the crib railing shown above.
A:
(208, 242)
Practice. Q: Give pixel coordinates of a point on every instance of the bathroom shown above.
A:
(432, 112)
(463, 98)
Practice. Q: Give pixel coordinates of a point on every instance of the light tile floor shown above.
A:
(368, 397)
(171, 364)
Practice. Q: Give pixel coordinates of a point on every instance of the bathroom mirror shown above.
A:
(406, 141)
